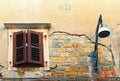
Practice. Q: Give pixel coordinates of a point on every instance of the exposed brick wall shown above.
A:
(69, 52)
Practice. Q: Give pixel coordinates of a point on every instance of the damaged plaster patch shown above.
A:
(65, 7)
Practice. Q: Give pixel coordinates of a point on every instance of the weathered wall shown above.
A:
(70, 52)
(63, 14)
(73, 16)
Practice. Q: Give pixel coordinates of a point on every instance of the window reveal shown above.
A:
(28, 48)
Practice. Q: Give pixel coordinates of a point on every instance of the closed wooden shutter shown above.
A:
(35, 48)
(19, 49)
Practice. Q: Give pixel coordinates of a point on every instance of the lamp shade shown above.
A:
(103, 32)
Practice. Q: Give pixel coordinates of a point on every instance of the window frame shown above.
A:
(15, 27)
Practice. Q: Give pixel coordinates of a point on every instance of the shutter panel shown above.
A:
(19, 48)
(35, 47)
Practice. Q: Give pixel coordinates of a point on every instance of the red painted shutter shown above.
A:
(19, 48)
(35, 48)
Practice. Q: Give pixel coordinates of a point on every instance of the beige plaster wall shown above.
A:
(74, 16)
(63, 14)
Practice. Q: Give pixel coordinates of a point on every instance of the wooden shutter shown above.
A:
(35, 48)
(19, 48)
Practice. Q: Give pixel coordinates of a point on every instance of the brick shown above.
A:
(79, 73)
(85, 69)
(83, 54)
(76, 45)
(65, 54)
(99, 51)
(84, 73)
(69, 45)
(72, 54)
(87, 49)
(69, 50)
(61, 68)
(61, 49)
(70, 73)
(58, 59)
(66, 40)
(106, 68)
(73, 59)
(57, 74)
(54, 54)
(73, 68)
(83, 59)
(57, 45)
(111, 73)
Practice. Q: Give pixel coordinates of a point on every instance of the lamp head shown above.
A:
(103, 32)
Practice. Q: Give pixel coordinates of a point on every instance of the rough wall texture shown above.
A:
(70, 51)
(73, 16)
(68, 57)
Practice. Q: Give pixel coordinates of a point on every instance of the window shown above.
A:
(28, 48)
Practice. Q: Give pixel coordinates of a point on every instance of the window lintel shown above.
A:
(27, 25)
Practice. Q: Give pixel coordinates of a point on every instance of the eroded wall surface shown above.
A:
(72, 16)
(70, 51)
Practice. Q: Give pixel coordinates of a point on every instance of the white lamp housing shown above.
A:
(103, 32)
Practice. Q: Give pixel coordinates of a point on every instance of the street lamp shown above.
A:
(101, 31)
